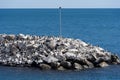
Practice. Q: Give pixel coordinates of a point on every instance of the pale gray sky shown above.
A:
(57, 3)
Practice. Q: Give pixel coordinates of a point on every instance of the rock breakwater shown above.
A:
(57, 53)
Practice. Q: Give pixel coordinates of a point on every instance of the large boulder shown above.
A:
(22, 36)
(55, 65)
(89, 64)
(44, 66)
(70, 55)
(115, 59)
(103, 64)
(77, 66)
(61, 68)
(66, 64)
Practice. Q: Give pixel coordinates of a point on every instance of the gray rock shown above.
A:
(99, 60)
(21, 45)
(89, 64)
(85, 67)
(51, 44)
(14, 49)
(44, 66)
(66, 64)
(77, 66)
(1, 39)
(11, 37)
(70, 55)
(50, 59)
(60, 57)
(115, 59)
(103, 64)
(55, 65)
(6, 50)
(61, 68)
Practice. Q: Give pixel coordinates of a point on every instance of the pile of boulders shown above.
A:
(48, 52)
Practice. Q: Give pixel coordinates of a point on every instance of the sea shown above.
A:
(97, 26)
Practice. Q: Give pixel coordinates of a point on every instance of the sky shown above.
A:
(57, 3)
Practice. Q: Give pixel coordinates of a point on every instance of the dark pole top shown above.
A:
(59, 7)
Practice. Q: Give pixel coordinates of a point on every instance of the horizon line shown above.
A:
(63, 8)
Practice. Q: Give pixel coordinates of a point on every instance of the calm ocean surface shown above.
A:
(96, 26)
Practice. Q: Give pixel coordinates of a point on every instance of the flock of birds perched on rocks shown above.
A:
(49, 52)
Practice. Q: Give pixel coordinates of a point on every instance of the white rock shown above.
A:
(22, 36)
(83, 43)
(52, 44)
(29, 61)
(36, 53)
(40, 61)
(103, 64)
(50, 59)
(5, 44)
(70, 55)
(18, 55)
(36, 45)
(32, 42)
(16, 60)
(101, 49)
(73, 50)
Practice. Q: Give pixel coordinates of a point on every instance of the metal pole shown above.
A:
(60, 27)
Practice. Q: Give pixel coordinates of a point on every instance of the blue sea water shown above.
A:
(95, 26)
